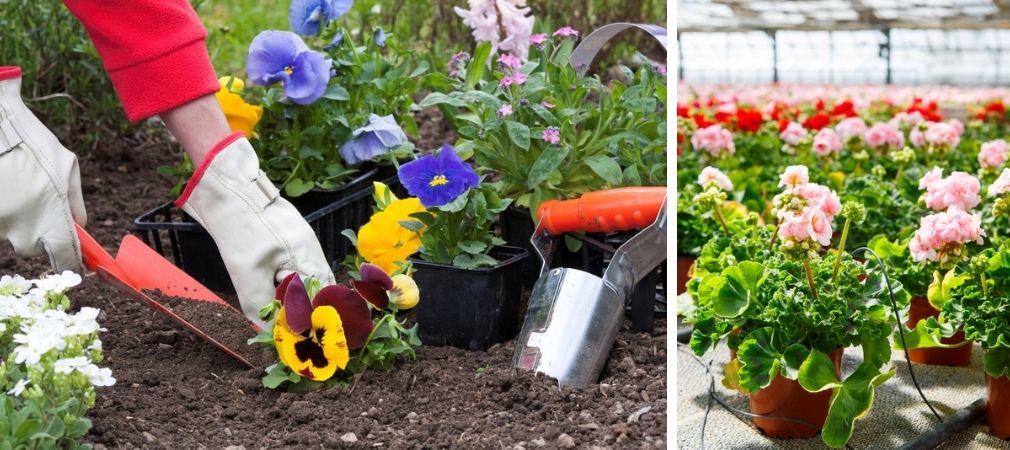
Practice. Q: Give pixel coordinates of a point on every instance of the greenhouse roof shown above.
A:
(831, 15)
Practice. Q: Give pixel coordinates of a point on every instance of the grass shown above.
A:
(232, 25)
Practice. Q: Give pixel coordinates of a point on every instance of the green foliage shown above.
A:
(460, 232)
(979, 306)
(605, 132)
(64, 82)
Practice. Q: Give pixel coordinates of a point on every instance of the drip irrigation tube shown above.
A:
(953, 424)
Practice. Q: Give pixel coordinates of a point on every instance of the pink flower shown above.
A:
(958, 126)
(509, 61)
(820, 197)
(958, 190)
(714, 139)
(793, 228)
(993, 154)
(1001, 185)
(489, 19)
(794, 134)
(941, 233)
(883, 134)
(505, 110)
(851, 127)
(943, 134)
(930, 178)
(507, 81)
(818, 225)
(566, 31)
(907, 120)
(553, 136)
(547, 105)
(711, 175)
(826, 142)
(794, 176)
(519, 78)
(917, 138)
(538, 39)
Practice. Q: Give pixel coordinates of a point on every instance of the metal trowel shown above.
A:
(573, 316)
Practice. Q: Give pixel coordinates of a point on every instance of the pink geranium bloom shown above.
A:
(794, 176)
(940, 233)
(993, 154)
(1001, 185)
(820, 197)
(884, 134)
(714, 139)
(851, 127)
(827, 142)
(711, 175)
(959, 190)
(930, 178)
(917, 138)
(794, 134)
(942, 134)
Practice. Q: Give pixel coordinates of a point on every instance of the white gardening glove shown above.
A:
(40, 183)
(261, 236)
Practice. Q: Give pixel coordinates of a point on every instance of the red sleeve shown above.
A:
(154, 51)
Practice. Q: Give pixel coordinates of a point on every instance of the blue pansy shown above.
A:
(381, 135)
(335, 42)
(283, 56)
(438, 180)
(379, 37)
(306, 16)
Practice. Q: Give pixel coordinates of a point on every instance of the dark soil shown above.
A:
(222, 323)
(176, 391)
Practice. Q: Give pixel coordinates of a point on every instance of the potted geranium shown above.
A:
(789, 314)
(470, 281)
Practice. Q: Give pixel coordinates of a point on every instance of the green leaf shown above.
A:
(546, 163)
(544, 115)
(606, 168)
(850, 402)
(263, 337)
(926, 334)
(472, 247)
(563, 52)
(759, 363)
(997, 361)
(519, 134)
(742, 282)
(793, 359)
(939, 290)
(885, 248)
(297, 187)
(457, 204)
(817, 372)
(438, 98)
(471, 262)
(412, 225)
(478, 64)
(351, 236)
(277, 374)
(79, 428)
(336, 92)
(631, 176)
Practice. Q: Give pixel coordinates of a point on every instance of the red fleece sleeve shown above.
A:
(154, 51)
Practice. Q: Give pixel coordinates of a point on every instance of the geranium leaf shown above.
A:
(759, 363)
(741, 285)
(850, 402)
(817, 372)
(792, 359)
(997, 361)
(939, 290)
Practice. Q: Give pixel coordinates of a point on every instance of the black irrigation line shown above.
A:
(712, 396)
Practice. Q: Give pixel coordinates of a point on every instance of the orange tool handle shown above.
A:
(95, 256)
(617, 209)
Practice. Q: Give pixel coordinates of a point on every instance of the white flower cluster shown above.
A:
(489, 19)
(45, 343)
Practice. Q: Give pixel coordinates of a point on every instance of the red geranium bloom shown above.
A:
(817, 121)
(723, 117)
(749, 120)
(845, 108)
(702, 122)
(820, 104)
(783, 124)
(995, 107)
(682, 111)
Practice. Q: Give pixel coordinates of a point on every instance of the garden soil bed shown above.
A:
(175, 391)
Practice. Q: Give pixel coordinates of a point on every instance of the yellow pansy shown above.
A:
(405, 293)
(320, 351)
(384, 242)
(241, 116)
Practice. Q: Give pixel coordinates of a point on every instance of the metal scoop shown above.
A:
(137, 267)
(573, 316)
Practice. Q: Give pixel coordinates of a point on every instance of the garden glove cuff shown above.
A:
(261, 236)
(40, 182)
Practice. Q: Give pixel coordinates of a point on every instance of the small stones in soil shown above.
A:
(349, 438)
(539, 442)
(638, 414)
(566, 441)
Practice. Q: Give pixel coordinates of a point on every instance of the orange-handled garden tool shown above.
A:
(137, 268)
(574, 316)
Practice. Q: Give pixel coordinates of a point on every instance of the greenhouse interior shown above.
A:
(843, 207)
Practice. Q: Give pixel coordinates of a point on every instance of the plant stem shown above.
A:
(841, 248)
(722, 220)
(985, 290)
(775, 236)
(810, 278)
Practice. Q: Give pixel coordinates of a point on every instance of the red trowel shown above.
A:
(137, 268)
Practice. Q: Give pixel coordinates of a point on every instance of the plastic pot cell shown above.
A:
(470, 309)
(957, 357)
(785, 398)
(997, 414)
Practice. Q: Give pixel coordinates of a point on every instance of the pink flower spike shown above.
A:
(551, 135)
(566, 31)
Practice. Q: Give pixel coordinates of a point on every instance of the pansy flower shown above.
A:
(380, 289)
(241, 116)
(282, 56)
(306, 16)
(314, 338)
(377, 138)
(438, 180)
(384, 241)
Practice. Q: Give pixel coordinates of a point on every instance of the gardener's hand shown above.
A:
(40, 183)
(261, 236)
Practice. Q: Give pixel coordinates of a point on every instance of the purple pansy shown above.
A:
(438, 180)
(381, 135)
(338, 39)
(306, 16)
(379, 36)
(283, 56)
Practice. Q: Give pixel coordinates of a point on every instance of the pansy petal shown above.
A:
(309, 78)
(329, 329)
(372, 273)
(284, 341)
(283, 287)
(296, 303)
(269, 53)
(373, 293)
(353, 312)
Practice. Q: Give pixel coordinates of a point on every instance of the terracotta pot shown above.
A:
(997, 414)
(958, 357)
(786, 398)
(685, 266)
